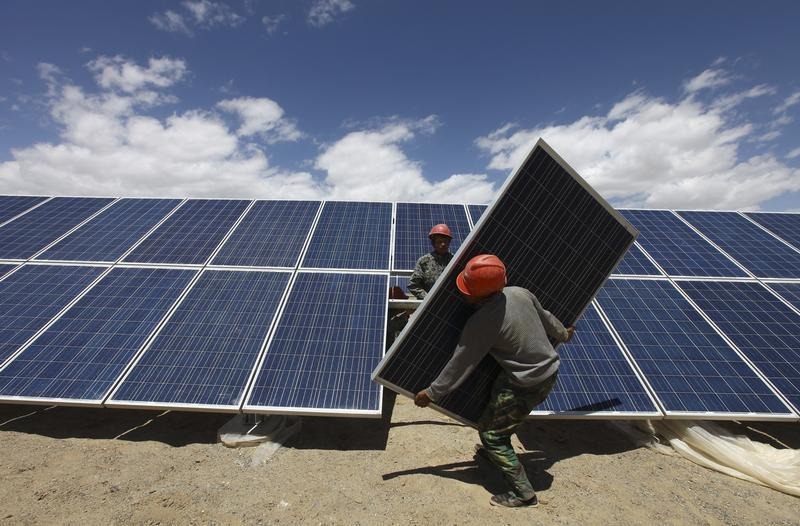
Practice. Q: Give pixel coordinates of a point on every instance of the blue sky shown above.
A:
(680, 105)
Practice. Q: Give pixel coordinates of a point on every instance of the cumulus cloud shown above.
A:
(261, 116)
(650, 152)
(123, 74)
(201, 14)
(171, 22)
(323, 12)
(710, 78)
(273, 23)
(793, 154)
(791, 100)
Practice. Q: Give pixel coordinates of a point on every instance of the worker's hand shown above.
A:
(422, 399)
(570, 332)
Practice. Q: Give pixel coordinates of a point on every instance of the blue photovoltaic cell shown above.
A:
(351, 235)
(758, 251)
(191, 234)
(688, 365)
(329, 338)
(11, 205)
(5, 269)
(26, 235)
(761, 326)
(207, 349)
(83, 353)
(476, 211)
(594, 376)
(111, 233)
(788, 291)
(413, 222)
(636, 263)
(786, 226)
(677, 248)
(32, 296)
(272, 234)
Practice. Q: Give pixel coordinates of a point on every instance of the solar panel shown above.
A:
(5, 269)
(330, 335)
(635, 263)
(758, 251)
(677, 248)
(191, 234)
(400, 281)
(788, 291)
(351, 235)
(32, 296)
(761, 326)
(272, 234)
(689, 366)
(557, 238)
(476, 211)
(595, 378)
(204, 354)
(413, 221)
(12, 205)
(107, 236)
(80, 356)
(786, 226)
(26, 235)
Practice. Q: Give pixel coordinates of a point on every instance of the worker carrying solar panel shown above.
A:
(510, 324)
(431, 265)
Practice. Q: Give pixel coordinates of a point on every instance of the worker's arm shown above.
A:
(552, 325)
(417, 282)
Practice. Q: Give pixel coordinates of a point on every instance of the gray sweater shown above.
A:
(513, 327)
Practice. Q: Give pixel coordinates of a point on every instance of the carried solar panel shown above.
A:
(351, 235)
(191, 234)
(12, 205)
(595, 378)
(329, 337)
(272, 234)
(635, 263)
(413, 221)
(32, 296)
(677, 248)
(557, 238)
(28, 234)
(203, 356)
(115, 230)
(758, 251)
(759, 324)
(785, 226)
(692, 370)
(476, 211)
(788, 291)
(5, 269)
(79, 357)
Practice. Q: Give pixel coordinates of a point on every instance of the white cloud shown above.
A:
(272, 23)
(261, 116)
(710, 78)
(202, 14)
(120, 73)
(793, 154)
(171, 22)
(767, 137)
(650, 152)
(790, 101)
(323, 12)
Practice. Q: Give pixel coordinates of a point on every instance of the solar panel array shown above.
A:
(280, 306)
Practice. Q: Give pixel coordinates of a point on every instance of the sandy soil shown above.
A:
(414, 466)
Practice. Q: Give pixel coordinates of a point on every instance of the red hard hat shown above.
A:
(484, 275)
(440, 230)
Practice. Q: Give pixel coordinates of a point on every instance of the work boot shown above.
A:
(511, 500)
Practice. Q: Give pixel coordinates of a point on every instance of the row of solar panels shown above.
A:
(361, 236)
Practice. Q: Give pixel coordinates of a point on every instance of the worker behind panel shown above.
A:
(430, 266)
(510, 324)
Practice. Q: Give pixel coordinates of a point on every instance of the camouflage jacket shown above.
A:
(426, 272)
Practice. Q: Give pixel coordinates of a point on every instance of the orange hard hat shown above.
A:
(484, 275)
(440, 230)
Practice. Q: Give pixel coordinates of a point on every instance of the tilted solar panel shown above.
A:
(79, 357)
(272, 234)
(759, 324)
(32, 296)
(788, 291)
(677, 248)
(329, 337)
(476, 211)
(191, 234)
(11, 205)
(26, 235)
(635, 263)
(785, 226)
(758, 251)
(557, 238)
(595, 378)
(351, 235)
(692, 370)
(413, 222)
(115, 230)
(5, 269)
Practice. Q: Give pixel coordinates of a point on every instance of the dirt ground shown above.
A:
(413, 466)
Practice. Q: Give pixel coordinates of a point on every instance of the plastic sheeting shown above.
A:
(717, 448)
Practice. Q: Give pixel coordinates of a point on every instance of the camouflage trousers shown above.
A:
(507, 409)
